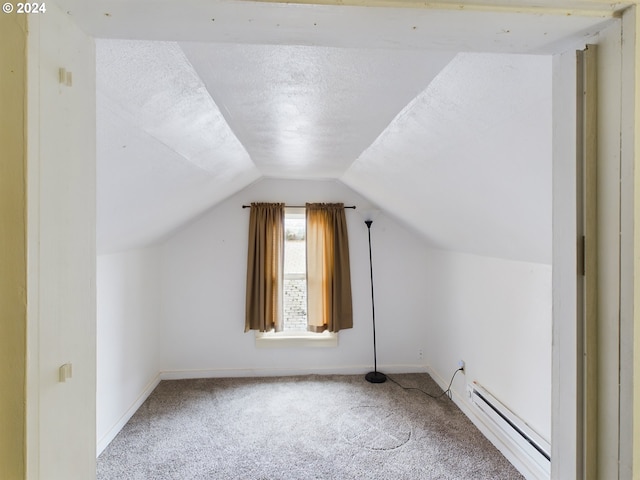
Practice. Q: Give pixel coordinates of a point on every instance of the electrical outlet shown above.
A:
(461, 365)
(420, 354)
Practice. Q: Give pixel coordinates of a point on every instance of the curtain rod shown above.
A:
(298, 206)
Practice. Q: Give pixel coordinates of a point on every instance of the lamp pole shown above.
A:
(375, 376)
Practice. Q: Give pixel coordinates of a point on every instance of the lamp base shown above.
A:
(375, 377)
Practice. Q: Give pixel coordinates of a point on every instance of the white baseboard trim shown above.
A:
(287, 372)
(525, 465)
(113, 431)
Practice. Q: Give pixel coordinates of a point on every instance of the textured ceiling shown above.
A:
(308, 112)
(165, 152)
(198, 101)
(468, 161)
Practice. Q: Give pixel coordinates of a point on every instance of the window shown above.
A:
(295, 331)
(317, 258)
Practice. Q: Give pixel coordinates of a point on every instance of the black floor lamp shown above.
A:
(375, 376)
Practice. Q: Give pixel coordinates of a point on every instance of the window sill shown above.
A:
(299, 339)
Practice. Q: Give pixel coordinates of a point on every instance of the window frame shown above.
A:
(296, 339)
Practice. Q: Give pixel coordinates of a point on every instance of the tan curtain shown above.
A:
(328, 272)
(265, 267)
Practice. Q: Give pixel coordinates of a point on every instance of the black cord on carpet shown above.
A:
(447, 392)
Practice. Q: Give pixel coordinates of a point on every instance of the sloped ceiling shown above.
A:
(165, 152)
(468, 161)
(196, 100)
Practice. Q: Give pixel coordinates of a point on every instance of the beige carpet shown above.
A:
(311, 427)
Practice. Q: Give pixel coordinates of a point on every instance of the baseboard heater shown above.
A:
(514, 428)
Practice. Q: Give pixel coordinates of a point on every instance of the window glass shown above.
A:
(295, 273)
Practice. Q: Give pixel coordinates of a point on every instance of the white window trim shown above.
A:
(296, 339)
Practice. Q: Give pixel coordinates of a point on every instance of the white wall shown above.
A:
(204, 271)
(61, 424)
(128, 333)
(495, 315)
